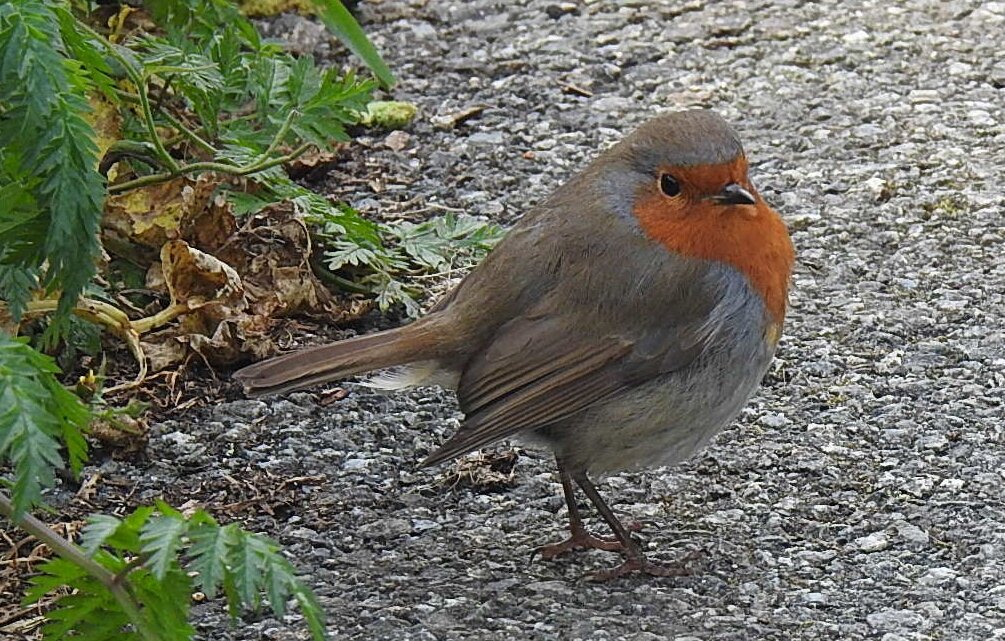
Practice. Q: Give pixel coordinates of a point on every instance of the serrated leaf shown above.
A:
(91, 612)
(164, 508)
(166, 602)
(160, 540)
(158, 57)
(245, 570)
(346, 253)
(43, 94)
(281, 583)
(277, 572)
(26, 429)
(209, 553)
(52, 574)
(74, 611)
(127, 537)
(110, 626)
(84, 50)
(313, 614)
(99, 528)
(277, 588)
(16, 285)
(391, 292)
(122, 535)
(233, 595)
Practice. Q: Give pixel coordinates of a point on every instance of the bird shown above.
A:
(622, 322)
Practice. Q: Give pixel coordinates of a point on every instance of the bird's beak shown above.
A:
(733, 194)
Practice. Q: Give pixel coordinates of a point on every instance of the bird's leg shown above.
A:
(579, 537)
(635, 560)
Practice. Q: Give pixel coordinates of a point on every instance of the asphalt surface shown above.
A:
(859, 496)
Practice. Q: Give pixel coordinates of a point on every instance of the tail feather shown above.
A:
(316, 365)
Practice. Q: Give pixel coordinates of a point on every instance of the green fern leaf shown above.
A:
(35, 411)
(43, 94)
(26, 437)
(313, 613)
(90, 613)
(166, 602)
(209, 549)
(160, 540)
(245, 570)
(99, 528)
(52, 574)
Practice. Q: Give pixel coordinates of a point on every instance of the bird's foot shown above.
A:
(581, 539)
(643, 565)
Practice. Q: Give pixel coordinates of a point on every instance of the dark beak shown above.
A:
(733, 194)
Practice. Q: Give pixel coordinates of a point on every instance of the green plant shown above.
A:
(38, 415)
(132, 578)
(340, 22)
(50, 191)
(437, 246)
(191, 97)
(229, 103)
(88, 115)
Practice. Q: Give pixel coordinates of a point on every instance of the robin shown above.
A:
(622, 322)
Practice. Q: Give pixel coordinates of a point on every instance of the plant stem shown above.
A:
(140, 81)
(75, 555)
(277, 139)
(148, 118)
(188, 133)
(233, 170)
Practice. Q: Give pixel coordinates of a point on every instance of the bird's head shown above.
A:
(682, 179)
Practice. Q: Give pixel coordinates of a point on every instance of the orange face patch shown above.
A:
(751, 238)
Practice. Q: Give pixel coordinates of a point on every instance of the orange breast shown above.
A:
(753, 239)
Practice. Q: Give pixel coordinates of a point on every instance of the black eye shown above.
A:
(668, 185)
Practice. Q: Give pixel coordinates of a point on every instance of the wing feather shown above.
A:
(557, 390)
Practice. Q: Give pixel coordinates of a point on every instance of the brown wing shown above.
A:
(542, 369)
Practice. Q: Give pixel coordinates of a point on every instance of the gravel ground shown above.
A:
(857, 497)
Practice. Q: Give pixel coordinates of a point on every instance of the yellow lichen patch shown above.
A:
(266, 8)
(388, 114)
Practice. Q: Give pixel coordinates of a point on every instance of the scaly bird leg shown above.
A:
(635, 560)
(580, 538)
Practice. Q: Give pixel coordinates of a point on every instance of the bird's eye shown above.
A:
(669, 185)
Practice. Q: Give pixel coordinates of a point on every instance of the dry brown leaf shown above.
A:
(314, 163)
(121, 432)
(107, 123)
(198, 279)
(229, 282)
(210, 228)
(222, 348)
(163, 350)
(150, 216)
(154, 279)
(272, 252)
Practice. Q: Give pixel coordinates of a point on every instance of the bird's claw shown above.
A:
(581, 539)
(643, 565)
